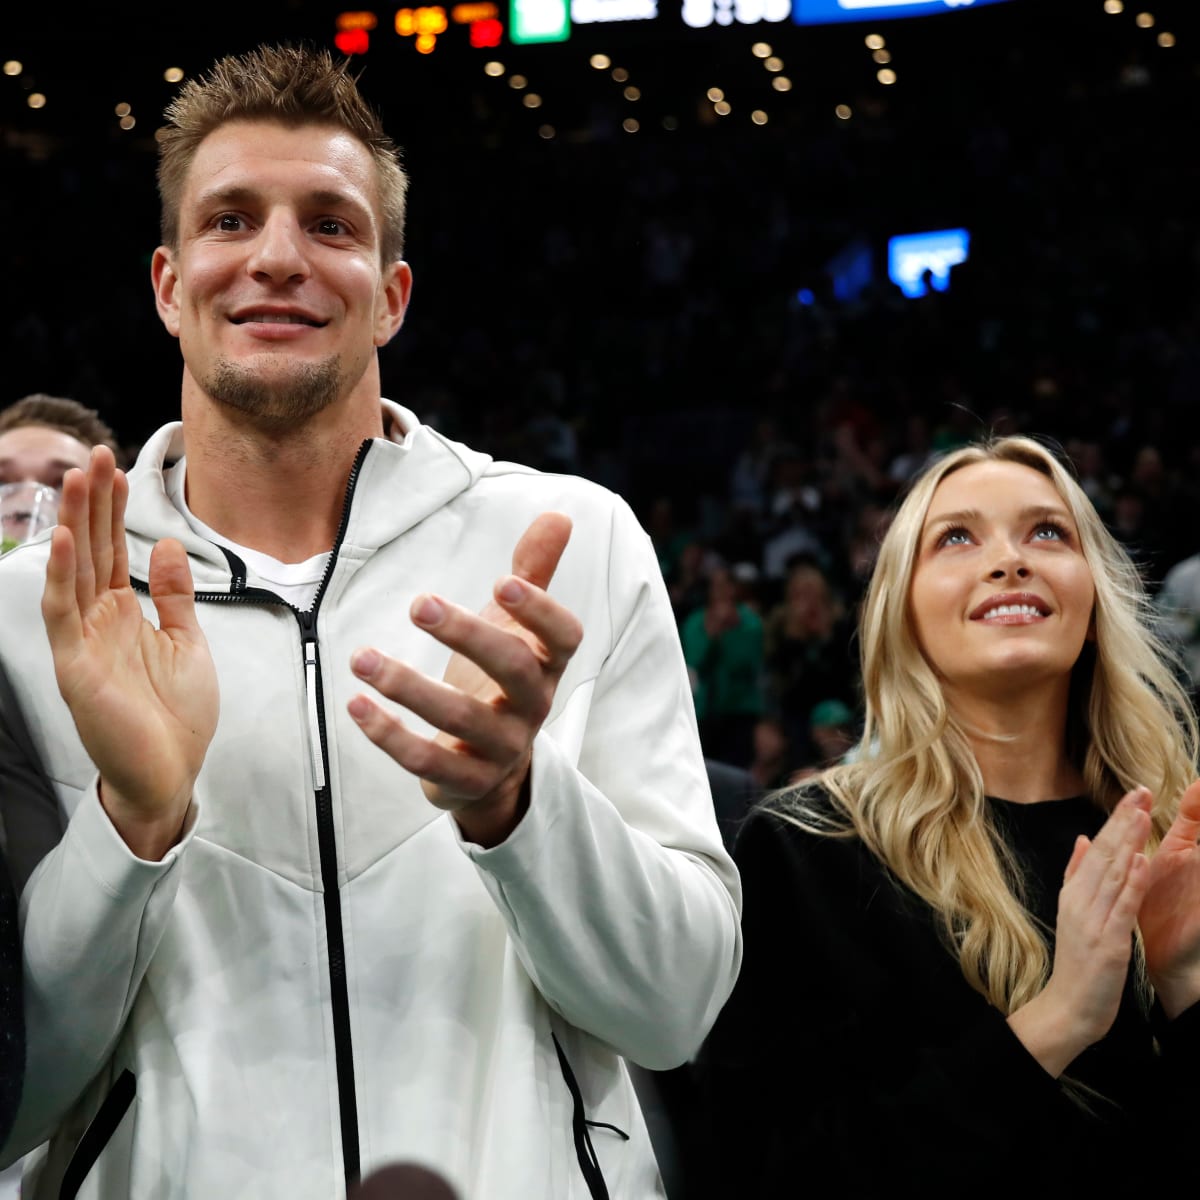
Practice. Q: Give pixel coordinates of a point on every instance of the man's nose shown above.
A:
(279, 252)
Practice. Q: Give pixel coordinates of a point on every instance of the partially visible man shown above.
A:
(392, 839)
(41, 439)
(12, 1025)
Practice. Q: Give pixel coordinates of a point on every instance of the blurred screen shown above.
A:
(826, 12)
(912, 255)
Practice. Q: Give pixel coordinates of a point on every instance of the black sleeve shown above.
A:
(853, 1047)
(12, 1029)
(1180, 1043)
(29, 810)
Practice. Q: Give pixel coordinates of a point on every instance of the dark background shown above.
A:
(625, 305)
(1062, 136)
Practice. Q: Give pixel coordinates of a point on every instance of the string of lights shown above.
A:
(62, 82)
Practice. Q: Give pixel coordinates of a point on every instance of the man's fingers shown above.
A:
(73, 515)
(555, 627)
(494, 735)
(120, 548)
(458, 774)
(60, 607)
(171, 590)
(500, 654)
(541, 546)
(101, 472)
(500, 682)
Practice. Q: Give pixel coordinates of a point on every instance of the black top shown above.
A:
(12, 1028)
(853, 1047)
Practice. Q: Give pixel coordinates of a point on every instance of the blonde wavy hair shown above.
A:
(915, 794)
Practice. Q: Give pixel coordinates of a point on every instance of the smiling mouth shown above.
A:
(278, 319)
(1012, 610)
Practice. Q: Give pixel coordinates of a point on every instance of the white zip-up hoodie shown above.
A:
(323, 974)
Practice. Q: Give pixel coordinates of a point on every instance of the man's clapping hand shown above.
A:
(144, 699)
(496, 692)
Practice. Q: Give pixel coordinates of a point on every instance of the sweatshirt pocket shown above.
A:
(111, 1129)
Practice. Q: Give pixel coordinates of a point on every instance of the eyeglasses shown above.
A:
(26, 509)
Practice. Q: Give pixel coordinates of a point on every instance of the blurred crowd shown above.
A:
(654, 312)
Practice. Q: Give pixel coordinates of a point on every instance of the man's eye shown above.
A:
(229, 223)
(330, 227)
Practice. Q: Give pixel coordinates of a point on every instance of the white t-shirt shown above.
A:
(296, 583)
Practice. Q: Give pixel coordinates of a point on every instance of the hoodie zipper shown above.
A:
(318, 747)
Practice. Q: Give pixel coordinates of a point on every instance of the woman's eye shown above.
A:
(954, 537)
(1050, 532)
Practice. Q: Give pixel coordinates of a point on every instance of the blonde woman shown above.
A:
(972, 956)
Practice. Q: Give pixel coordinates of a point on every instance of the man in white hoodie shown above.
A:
(389, 832)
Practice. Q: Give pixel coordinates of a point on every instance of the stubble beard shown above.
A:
(275, 404)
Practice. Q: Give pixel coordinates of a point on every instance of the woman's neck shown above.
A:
(1020, 744)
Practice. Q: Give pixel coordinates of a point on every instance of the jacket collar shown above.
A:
(406, 475)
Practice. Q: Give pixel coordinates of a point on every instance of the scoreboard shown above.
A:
(828, 12)
(523, 22)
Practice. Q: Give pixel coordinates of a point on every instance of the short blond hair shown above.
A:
(293, 86)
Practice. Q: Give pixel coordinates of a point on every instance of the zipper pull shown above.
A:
(314, 712)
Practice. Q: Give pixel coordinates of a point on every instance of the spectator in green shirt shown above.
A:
(723, 646)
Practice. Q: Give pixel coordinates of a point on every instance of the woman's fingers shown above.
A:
(1082, 845)
(1101, 871)
(1104, 884)
(1129, 901)
(1185, 829)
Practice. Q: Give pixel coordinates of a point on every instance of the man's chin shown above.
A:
(275, 392)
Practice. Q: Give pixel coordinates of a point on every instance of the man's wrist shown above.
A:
(148, 836)
(489, 821)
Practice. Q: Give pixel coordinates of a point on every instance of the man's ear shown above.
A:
(165, 280)
(394, 291)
